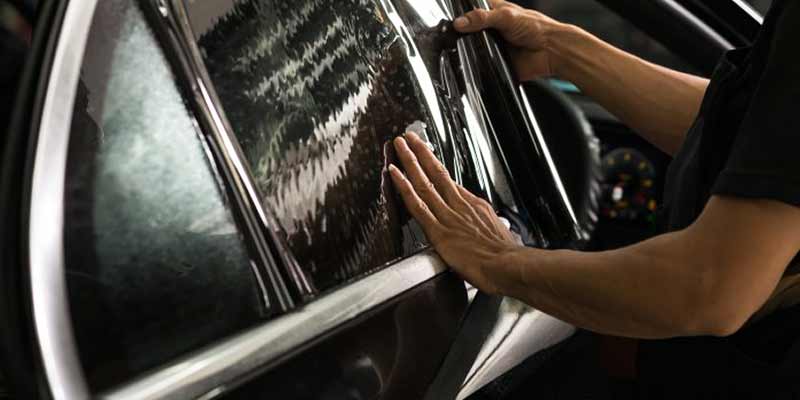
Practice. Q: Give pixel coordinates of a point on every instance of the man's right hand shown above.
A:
(529, 33)
(659, 103)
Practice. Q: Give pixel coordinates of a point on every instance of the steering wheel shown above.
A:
(574, 148)
(548, 149)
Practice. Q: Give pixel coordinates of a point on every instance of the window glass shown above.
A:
(607, 25)
(155, 264)
(315, 90)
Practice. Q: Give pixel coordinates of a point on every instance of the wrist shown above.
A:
(567, 45)
(506, 271)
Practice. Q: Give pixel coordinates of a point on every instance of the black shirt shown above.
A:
(745, 143)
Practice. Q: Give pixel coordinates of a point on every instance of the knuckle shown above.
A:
(427, 189)
(405, 189)
(441, 171)
(505, 14)
(479, 16)
(463, 205)
(409, 155)
(418, 206)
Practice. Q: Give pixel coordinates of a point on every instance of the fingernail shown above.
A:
(461, 22)
(412, 135)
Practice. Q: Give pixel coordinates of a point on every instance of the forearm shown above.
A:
(658, 103)
(640, 291)
(707, 279)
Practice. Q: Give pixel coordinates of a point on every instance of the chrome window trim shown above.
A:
(215, 369)
(686, 15)
(746, 7)
(51, 316)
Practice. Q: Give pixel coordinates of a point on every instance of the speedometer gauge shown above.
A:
(628, 185)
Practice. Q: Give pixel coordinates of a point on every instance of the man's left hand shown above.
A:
(462, 227)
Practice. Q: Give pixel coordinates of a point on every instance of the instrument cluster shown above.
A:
(629, 186)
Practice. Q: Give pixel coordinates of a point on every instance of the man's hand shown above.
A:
(529, 32)
(462, 227)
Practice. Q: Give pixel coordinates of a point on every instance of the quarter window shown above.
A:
(155, 264)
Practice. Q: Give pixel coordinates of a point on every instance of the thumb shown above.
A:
(477, 20)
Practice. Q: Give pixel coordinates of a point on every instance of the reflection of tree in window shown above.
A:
(609, 26)
(314, 89)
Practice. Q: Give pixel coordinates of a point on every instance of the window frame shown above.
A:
(47, 274)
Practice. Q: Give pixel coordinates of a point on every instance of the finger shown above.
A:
(423, 187)
(435, 171)
(480, 19)
(416, 207)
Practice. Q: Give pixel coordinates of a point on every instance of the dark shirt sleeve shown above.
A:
(765, 158)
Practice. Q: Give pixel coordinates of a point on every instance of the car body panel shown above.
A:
(391, 353)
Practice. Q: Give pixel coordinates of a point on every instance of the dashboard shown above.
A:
(632, 181)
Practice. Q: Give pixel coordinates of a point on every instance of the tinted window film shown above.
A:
(315, 90)
(155, 264)
(610, 27)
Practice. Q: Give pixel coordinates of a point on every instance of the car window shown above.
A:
(315, 90)
(607, 25)
(155, 264)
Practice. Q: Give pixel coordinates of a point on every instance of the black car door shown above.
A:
(209, 210)
(165, 263)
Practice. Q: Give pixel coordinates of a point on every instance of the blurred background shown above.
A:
(595, 18)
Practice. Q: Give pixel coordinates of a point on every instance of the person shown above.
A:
(715, 297)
